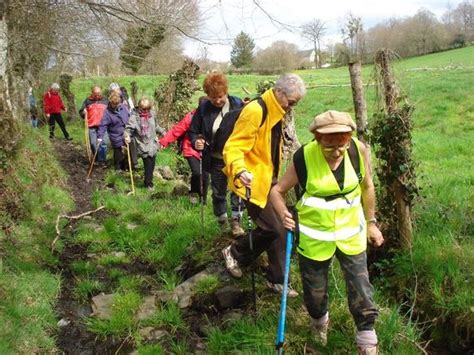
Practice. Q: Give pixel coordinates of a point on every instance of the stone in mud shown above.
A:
(230, 317)
(180, 188)
(183, 293)
(147, 308)
(166, 172)
(64, 322)
(118, 254)
(151, 334)
(102, 306)
(157, 175)
(131, 226)
(228, 297)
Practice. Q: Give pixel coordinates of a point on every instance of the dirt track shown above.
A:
(74, 338)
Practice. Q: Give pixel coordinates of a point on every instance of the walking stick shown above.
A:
(87, 138)
(280, 338)
(130, 168)
(249, 228)
(92, 165)
(201, 189)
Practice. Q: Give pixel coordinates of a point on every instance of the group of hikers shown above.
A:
(335, 212)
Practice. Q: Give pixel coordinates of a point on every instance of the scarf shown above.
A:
(95, 97)
(144, 123)
(220, 116)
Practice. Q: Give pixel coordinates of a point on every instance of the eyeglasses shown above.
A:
(338, 148)
(291, 102)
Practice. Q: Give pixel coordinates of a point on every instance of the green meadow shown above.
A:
(424, 294)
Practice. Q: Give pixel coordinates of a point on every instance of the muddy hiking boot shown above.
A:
(373, 350)
(222, 220)
(237, 230)
(278, 288)
(230, 263)
(320, 329)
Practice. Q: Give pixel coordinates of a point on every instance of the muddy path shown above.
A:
(73, 337)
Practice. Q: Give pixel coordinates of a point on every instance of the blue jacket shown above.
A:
(114, 122)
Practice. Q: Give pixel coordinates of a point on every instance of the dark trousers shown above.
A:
(133, 154)
(194, 164)
(149, 167)
(269, 236)
(359, 290)
(53, 118)
(219, 191)
(119, 162)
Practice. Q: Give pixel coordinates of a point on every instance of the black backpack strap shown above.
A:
(301, 172)
(354, 157)
(264, 109)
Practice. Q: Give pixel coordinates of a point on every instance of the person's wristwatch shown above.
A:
(372, 220)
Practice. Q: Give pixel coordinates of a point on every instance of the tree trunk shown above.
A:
(8, 105)
(134, 92)
(65, 84)
(360, 106)
(290, 139)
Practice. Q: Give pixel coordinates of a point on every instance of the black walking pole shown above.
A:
(249, 227)
(201, 188)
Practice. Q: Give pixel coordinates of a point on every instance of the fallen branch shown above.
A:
(58, 218)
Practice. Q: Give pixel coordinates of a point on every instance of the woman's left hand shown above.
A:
(374, 235)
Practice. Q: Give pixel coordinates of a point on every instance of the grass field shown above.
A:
(433, 281)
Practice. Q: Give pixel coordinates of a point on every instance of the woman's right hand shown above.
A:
(199, 145)
(287, 220)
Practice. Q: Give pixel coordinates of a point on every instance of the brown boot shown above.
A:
(237, 230)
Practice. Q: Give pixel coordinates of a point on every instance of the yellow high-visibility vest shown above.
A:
(329, 217)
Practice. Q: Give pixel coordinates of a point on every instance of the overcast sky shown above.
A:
(222, 20)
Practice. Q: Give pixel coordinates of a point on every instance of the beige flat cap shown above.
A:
(332, 122)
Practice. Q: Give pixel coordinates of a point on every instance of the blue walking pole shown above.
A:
(280, 338)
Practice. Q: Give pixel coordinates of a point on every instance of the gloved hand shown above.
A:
(126, 138)
(99, 140)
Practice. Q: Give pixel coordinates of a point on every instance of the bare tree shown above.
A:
(354, 39)
(280, 57)
(464, 15)
(313, 31)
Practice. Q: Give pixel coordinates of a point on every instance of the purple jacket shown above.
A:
(114, 121)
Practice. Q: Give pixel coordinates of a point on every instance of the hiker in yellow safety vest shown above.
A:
(336, 216)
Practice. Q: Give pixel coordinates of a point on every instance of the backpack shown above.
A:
(227, 125)
(302, 173)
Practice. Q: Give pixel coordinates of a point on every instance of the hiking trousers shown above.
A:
(102, 153)
(149, 167)
(119, 161)
(219, 191)
(269, 236)
(359, 290)
(196, 177)
(53, 118)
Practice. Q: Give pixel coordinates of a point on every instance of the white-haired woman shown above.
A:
(142, 129)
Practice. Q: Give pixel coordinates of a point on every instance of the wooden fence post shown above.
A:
(398, 187)
(360, 107)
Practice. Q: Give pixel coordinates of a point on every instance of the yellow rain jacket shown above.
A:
(249, 148)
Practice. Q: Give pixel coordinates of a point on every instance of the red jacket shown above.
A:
(95, 107)
(52, 102)
(179, 130)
